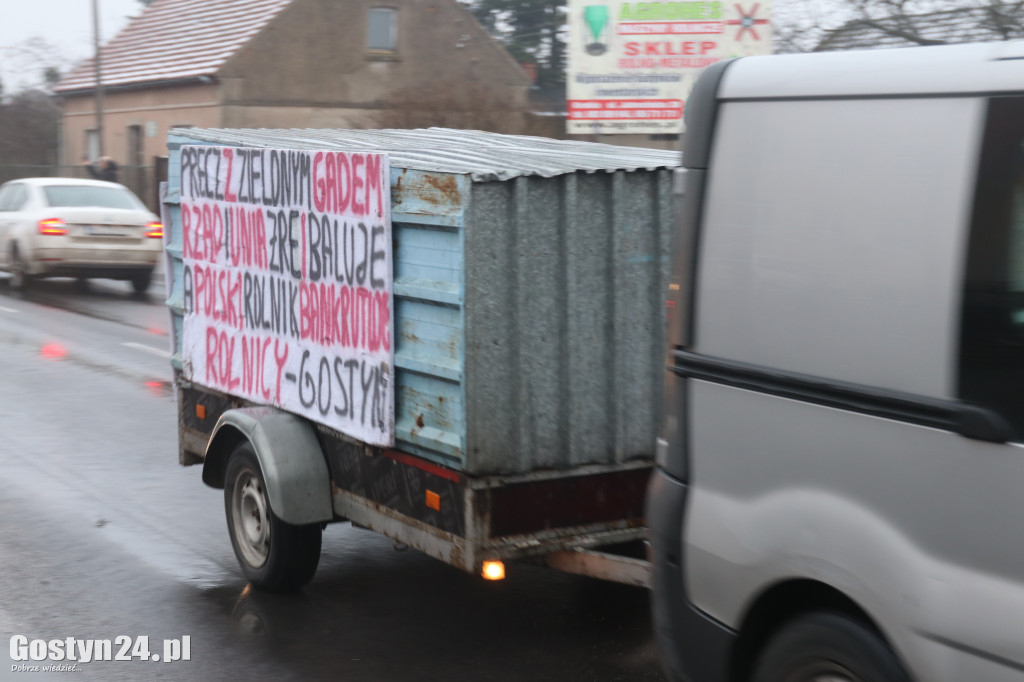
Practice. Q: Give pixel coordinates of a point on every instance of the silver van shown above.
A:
(840, 492)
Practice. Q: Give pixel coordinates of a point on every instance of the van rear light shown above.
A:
(155, 230)
(52, 226)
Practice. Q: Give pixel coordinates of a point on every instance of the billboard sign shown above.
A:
(632, 64)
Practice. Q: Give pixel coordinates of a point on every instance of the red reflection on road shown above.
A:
(53, 351)
(159, 388)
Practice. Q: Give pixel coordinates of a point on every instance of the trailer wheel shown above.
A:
(20, 280)
(141, 281)
(829, 647)
(274, 555)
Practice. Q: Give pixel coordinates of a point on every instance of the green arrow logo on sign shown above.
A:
(596, 18)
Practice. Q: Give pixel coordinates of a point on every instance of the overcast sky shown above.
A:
(35, 34)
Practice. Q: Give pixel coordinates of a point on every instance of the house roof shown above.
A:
(175, 39)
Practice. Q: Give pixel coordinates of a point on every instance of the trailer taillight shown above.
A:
(493, 570)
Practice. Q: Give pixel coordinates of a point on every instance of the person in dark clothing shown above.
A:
(103, 169)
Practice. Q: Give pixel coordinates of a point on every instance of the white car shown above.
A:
(62, 227)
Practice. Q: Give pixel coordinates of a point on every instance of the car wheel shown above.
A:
(20, 277)
(827, 647)
(140, 282)
(274, 555)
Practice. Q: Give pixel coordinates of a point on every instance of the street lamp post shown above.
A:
(99, 75)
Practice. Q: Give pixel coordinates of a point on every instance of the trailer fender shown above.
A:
(293, 463)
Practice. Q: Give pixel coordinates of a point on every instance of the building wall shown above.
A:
(154, 110)
(311, 68)
(314, 57)
(667, 142)
(283, 116)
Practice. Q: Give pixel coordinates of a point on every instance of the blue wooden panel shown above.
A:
(427, 330)
(425, 254)
(429, 290)
(430, 418)
(429, 320)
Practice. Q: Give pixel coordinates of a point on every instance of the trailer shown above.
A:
(452, 338)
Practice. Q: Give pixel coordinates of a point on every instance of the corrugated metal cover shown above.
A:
(481, 155)
(175, 39)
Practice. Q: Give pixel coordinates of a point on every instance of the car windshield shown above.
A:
(84, 195)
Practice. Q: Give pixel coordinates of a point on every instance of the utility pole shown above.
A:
(99, 73)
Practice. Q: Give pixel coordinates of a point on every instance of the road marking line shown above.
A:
(148, 349)
(9, 310)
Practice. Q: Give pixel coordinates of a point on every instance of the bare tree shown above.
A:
(31, 60)
(29, 115)
(533, 31)
(51, 76)
(807, 25)
(28, 129)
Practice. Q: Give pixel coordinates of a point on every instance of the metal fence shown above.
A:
(143, 180)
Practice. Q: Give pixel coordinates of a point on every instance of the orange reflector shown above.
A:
(493, 570)
(201, 411)
(433, 500)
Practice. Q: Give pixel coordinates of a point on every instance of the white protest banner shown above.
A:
(287, 282)
(631, 65)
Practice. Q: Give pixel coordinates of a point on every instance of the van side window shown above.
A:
(992, 321)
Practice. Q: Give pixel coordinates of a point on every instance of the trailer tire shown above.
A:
(141, 281)
(21, 280)
(274, 555)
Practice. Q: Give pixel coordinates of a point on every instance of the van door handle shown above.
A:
(965, 419)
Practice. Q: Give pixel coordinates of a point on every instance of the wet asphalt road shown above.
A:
(103, 534)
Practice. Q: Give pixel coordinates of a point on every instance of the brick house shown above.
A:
(280, 64)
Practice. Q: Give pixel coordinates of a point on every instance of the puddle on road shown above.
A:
(58, 352)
